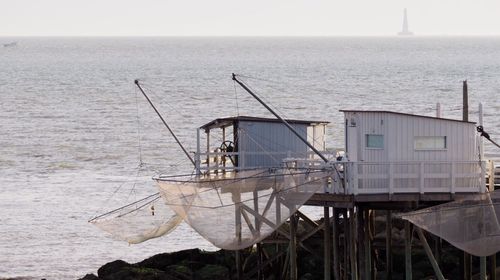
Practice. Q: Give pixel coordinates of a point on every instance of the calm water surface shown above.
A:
(74, 129)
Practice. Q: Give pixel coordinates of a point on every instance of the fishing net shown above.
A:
(471, 224)
(139, 221)
(235, 210)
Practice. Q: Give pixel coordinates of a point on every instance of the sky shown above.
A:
(246, 18)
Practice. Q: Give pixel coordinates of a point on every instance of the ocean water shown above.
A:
(73, 128)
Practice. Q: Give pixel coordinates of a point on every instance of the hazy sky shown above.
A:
(250, 17)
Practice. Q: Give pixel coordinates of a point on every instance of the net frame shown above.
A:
(235, 210)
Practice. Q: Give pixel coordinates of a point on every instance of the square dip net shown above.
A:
(470, 224)
(235, 210)
(139, 221)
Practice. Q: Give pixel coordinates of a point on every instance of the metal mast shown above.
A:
(281, 119)
(165, 123)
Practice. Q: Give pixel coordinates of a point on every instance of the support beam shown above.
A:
(293, 247)
(352, 242)
(345, 244)
(367, 245)
(467, 266)
(408, 237)
(482, 268)
(327, 243)
(388, 245)
(239, 272)
(493, 267)
(335, 244)
(428, 251)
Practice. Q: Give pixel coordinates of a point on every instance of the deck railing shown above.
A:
(375, 177)
(415, 177)
(218, 161)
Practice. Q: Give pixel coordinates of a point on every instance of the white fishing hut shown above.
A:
(391, 152)
(245, 142)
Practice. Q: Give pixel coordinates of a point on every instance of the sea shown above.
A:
(78, 139)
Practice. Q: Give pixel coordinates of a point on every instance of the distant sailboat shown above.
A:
(405, 31)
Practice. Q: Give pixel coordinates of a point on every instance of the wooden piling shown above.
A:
(293, 247)
(388, 244)
(335, 244)
(352, 242)
(408, 239)
(327, 243)
(482, 268)
(430, 256)
(345, 246)
(367, 245)
(493, 267)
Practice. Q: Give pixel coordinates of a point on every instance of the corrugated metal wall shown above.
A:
(264, 144)
(399, 132)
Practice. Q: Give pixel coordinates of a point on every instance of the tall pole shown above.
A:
(281, 119)
(165, 123)
(465, 93)
(465, 118)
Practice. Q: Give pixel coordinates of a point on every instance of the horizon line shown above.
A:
(243, 36)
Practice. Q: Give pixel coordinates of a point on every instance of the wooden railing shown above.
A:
(375, 177)
(415, 177)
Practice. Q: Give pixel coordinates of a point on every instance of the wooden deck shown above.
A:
(383, 201)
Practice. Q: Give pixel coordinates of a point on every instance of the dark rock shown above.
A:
(90, 277)
(307, 276)
(162, 261)
(212, 272)
(111, 268)
(180, 271)
(139, 273)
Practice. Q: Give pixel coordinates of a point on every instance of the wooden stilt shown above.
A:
(345, 244)
(482, 268)
(388, 245)
(493, 267)
(467, 266)
(360, 244)
(372, 252)
(367, 245)
(257, 229)
(259, 261)
(428, 251)
(327, 243)
(239, 274)
(352, 241)
(335, 244)
(408, 237)
(437, 249)
(293, 247)
(237, 218)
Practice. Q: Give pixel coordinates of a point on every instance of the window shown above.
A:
(429, 143)
(374, 141)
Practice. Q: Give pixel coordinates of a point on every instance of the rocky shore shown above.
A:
(182, 265)
(202, 265)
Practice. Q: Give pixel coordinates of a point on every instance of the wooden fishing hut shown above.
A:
(397, 161)
(392, 161)
(243, 142)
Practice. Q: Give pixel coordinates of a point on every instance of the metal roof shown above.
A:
(404, 114)
(224, 122)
